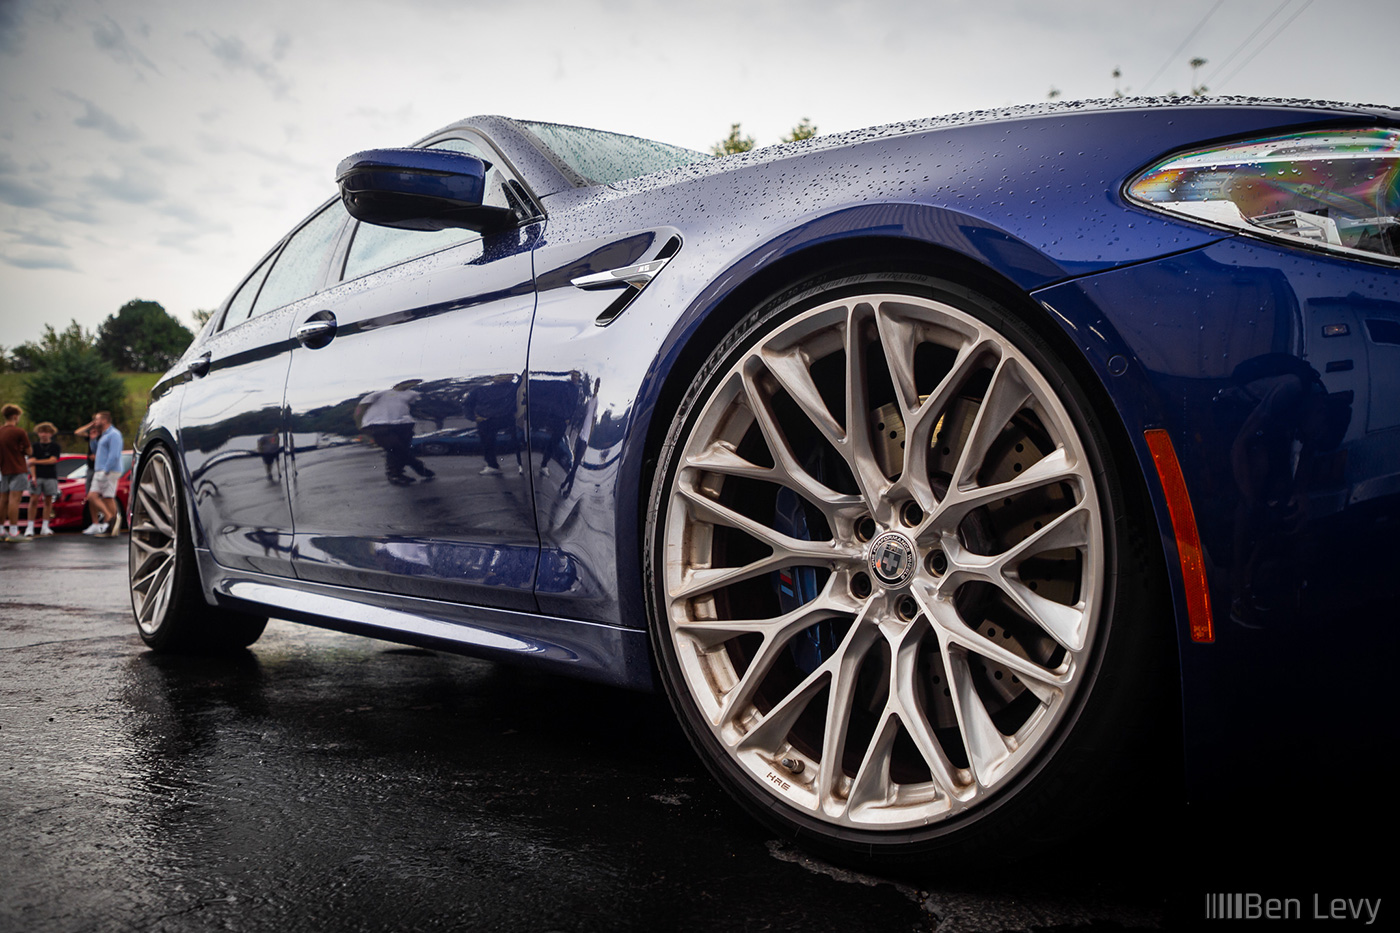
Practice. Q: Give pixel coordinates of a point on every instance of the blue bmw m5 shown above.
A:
(947, 475)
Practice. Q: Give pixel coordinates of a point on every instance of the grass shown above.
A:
(138, 390)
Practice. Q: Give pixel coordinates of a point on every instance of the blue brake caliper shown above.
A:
(797, 586)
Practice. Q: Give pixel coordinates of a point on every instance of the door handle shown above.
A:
(317, 331)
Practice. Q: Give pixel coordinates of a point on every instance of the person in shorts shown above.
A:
(107, 466)
(14, 469)
(43, 492)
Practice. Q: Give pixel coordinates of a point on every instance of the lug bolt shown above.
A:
(911, 514)
(937, 562)
(865, 528)
(860, 585)
(907, 609)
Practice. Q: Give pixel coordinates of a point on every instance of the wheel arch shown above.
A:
(160, 436)
(856, 254)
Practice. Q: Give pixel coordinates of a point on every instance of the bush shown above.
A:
(74, 383)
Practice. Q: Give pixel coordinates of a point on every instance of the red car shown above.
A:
(67, 509)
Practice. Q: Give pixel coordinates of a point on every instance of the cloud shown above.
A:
(191, 215)
(165, 155)
(29, 238)
(18, 194)
(31, 261)
(132, 186)
(109, 37)
(95, 118)
(11, 36)
(236, 56)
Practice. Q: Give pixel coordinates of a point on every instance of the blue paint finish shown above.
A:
(437, 344)
(1294, 473)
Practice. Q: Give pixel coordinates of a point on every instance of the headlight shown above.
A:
(1336, 189)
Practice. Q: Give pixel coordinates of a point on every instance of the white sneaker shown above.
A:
(96, 528)
(46, 530)
(544, 470)
(490, 471)
(29, 531)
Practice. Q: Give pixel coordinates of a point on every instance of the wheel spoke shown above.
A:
(985, 746)
(844, 674)
(772, 729)
(791, 371)
(709, 633)
(872, 781)
(720, 457)
(951, 627)
(857, 449)
(154, 513)
(906, 703)
(1055, 467)
(921, 421)
(147, 567)
(785, 547)
(1005, 396)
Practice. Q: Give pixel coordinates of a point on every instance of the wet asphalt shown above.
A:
(323, 781)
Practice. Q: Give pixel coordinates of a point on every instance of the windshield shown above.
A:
(605, 158)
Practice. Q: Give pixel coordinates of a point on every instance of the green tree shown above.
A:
(1197, 89)
(733, 143)
(803, 130)
(142, 337)
(31, 357)
(202, 315)
(74, 383)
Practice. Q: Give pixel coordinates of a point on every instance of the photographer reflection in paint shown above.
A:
(385, 418)
(1289, 424)
(493, 406)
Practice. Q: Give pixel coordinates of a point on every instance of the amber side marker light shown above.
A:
(1188, 539)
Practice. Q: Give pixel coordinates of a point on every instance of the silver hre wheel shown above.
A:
(882, 561)
(166, 600)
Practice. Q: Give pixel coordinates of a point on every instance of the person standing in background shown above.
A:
(44, 490)
(89, 433)
(14, 468)
(107, 464)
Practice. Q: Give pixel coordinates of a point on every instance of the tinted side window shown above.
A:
(242, 303)
(381, 247)
(297, 272)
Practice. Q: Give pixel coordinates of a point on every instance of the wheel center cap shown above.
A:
(892, 558)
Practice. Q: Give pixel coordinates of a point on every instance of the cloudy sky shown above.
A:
(153, 149)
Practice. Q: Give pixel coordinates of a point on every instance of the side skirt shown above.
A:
(593, 651)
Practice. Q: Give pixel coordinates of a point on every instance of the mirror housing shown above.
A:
(419, 189)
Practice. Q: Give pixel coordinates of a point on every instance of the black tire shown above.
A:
(1090, 737)
(167, 601)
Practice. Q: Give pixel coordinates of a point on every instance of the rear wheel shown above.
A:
(171, 613)
(890, 576)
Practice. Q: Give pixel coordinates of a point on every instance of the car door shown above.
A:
(231, 418)
(407, 416)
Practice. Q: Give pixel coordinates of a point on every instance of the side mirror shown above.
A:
(419, 189)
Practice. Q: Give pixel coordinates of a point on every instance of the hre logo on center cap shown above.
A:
(892, 559)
